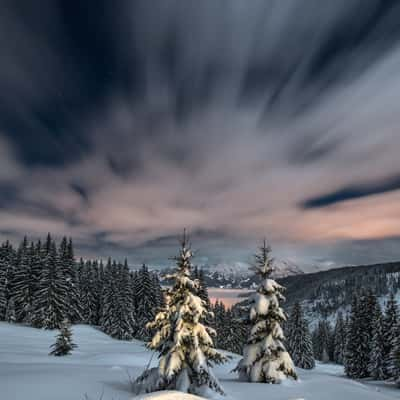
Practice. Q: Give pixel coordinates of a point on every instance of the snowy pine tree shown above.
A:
(299, 341)
(376, 366)
(87, 298)
(109, 318)
(125, 320)
(9, 260)
(390, 321)
(63, 344)
(265, 358)
(23, 284)
(184, 343)
(394, 357)
(158, 293)
(203, 290)
(68, 268)
(51, 303)
(99, 291)
(217, 323)
(339, 339)
(358, 341)
(233, 332)
(147, 303)
(10, 312)
(3, 283)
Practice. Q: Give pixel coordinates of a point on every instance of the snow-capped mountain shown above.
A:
(282, 269)
(237, 269)
(238, 275)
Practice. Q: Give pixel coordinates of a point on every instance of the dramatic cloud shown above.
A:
(354, 192)
(121, 124)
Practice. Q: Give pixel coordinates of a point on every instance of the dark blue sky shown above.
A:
(123, 122)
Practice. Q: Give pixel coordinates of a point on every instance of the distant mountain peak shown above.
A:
(282, 269)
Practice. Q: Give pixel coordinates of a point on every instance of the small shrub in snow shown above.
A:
(63, 344)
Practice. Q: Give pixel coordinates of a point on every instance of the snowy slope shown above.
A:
(101, 366)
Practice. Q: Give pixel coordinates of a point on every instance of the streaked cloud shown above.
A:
(234, 119)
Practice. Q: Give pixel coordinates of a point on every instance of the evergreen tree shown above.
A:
(51, 306)
(124, 325)
(68, 270)
(9, 256)
(10, 312)
(36, 268)
(339, 335)
(359, 338)
(3, 283)
(99, 291)
(394, 357)
(146, 303)
(184, 343)
(88, 298)
(63, 344)
(217, 322)
(109, 316)
(158, 293)
(299, 341)
(233, 332)
(390, 322)
(322, 339)
(203, 290)
(265, 358)
(376, 365)
(23, 283)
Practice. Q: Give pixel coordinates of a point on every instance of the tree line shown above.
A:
(42, 285)
(366, 341)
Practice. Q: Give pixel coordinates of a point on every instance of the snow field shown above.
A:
(100, 366)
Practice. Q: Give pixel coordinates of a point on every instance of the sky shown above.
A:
(124, 122)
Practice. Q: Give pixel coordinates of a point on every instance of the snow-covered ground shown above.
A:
(100, 369)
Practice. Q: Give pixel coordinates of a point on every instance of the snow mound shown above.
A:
(167, 395)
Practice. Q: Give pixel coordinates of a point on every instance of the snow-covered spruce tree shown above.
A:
(358, 341)
(203, 290)
(390, 321)
(184, 343)
(376, 366)
(3, 284)
(339, 339)
(9, 259)
(147, 303)
(23, 283)
(299, 341)
(10, 312)
(158, 293)
(88, 299)
(125, 321)
(51, 304)
(217, 323)
(99, 291)
(95, 289)
(109, 316)
(265, 358)
(232, 332)
(394, 358)
(68, 267)
(63, 344)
